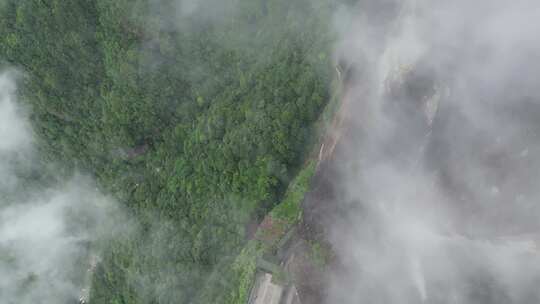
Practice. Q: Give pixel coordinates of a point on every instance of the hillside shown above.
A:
(195, 120)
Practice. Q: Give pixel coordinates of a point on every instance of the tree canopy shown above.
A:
(194, 118)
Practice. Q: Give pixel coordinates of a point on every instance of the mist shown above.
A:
(439, 176)
(50, 227)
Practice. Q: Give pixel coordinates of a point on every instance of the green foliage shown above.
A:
(290, 208)
(244, 268)
(320, 255)
(288, 212)
(197, 123)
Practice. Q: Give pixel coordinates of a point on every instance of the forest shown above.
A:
(194, 117)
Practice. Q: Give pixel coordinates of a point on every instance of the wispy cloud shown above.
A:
(48, 230)
(447, 208)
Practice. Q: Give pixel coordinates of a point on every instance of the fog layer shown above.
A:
(48, 228)
(442, 177)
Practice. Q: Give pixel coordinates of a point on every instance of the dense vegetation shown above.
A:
(196, 120)
(268, 238)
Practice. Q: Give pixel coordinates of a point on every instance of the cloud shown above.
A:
(15, 132)
(49, 231)
(445, 207)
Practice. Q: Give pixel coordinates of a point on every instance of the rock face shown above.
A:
(265, 291)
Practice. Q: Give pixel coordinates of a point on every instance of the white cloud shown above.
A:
(448, 212)
(46, 235)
